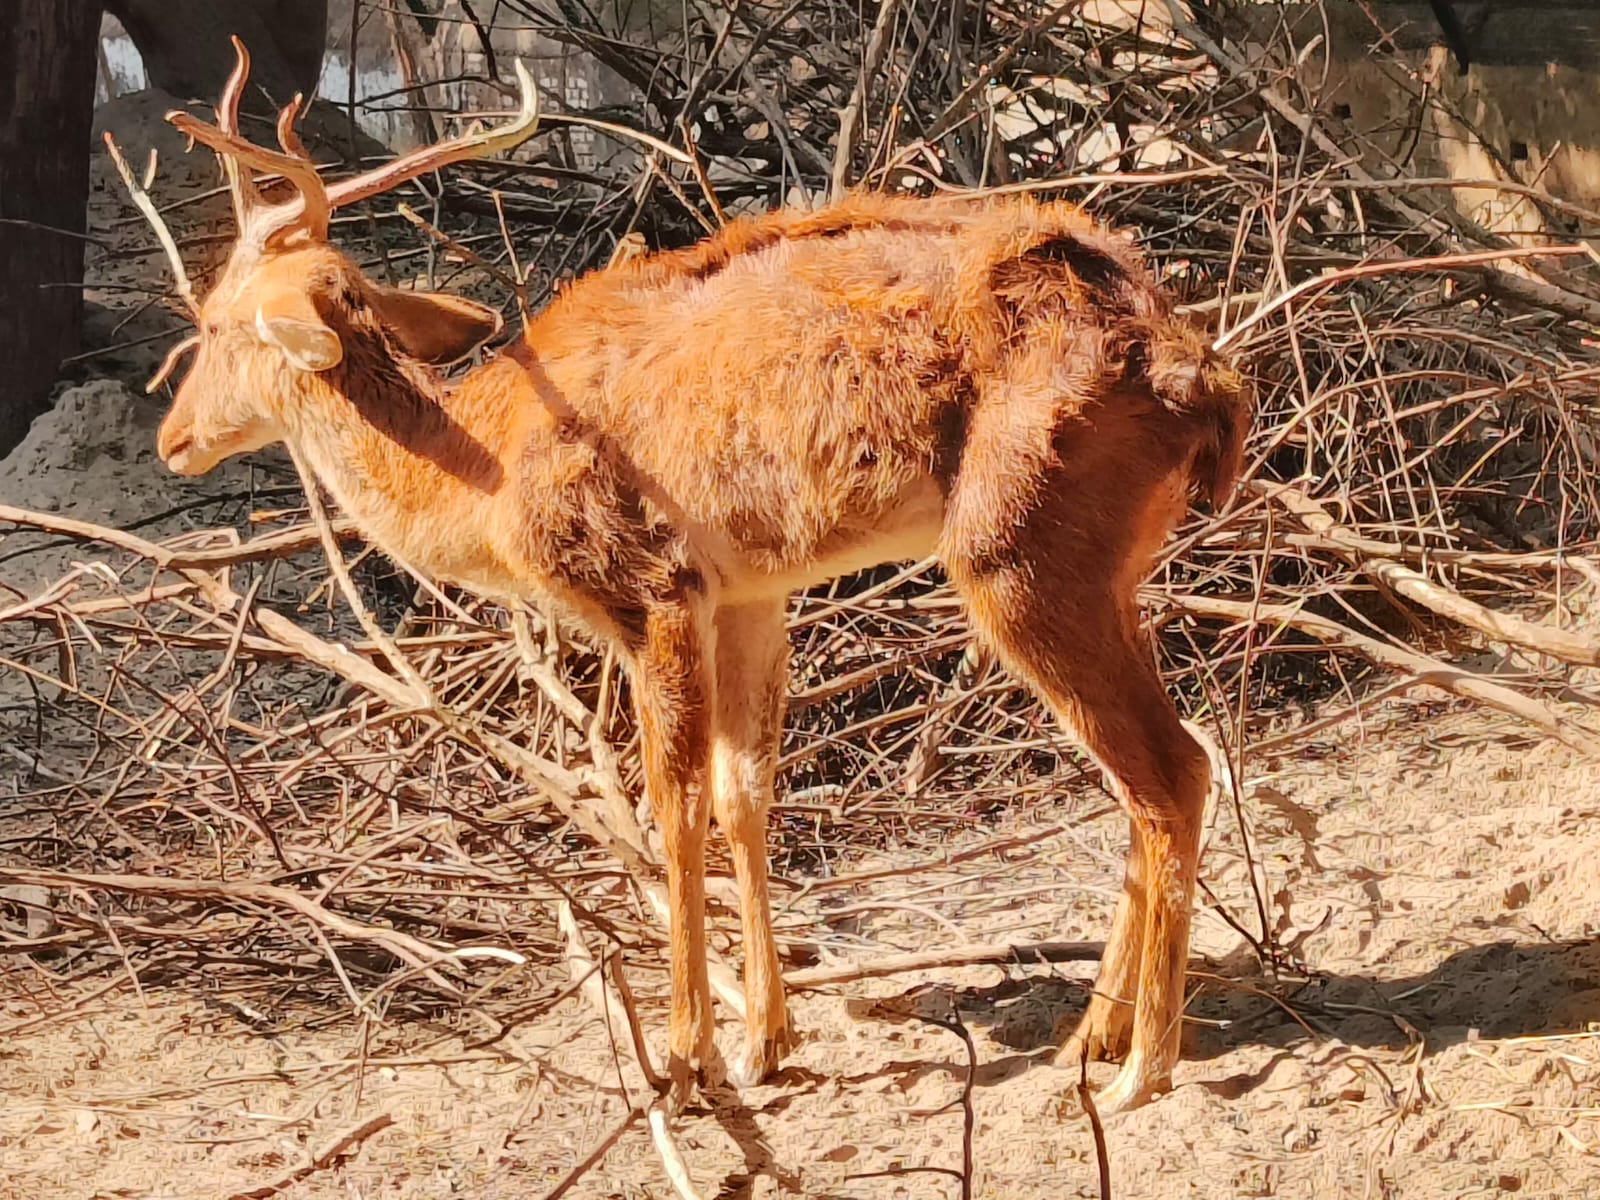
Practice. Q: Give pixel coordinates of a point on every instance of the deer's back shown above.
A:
(797, 390)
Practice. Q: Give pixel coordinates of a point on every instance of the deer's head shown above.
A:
(277, 318)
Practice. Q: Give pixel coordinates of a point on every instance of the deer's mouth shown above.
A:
(179, 456)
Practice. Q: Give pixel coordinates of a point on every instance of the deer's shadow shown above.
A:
(1498, 990)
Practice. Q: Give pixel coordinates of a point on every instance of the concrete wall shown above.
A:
(1527, 109)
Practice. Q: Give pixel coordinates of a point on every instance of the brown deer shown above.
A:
(679, 442)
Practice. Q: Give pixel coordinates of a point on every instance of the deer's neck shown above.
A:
(422, 469)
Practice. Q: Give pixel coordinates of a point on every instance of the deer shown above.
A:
(679, 442)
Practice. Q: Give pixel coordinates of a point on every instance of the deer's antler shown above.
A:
(309, 212)
(241, 186)
(430, 158)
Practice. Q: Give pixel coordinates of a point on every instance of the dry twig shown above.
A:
(336, 1150)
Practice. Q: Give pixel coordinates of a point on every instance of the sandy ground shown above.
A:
(1434, 875)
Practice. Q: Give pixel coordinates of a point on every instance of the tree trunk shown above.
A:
(185, 47)
(47, 65)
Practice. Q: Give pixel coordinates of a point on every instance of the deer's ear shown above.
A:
(289, 320)
(433, 327)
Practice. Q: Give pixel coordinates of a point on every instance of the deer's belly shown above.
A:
(906, 533)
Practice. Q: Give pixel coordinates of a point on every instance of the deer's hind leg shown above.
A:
(1054, 594)
(671, 687)
(747, 720)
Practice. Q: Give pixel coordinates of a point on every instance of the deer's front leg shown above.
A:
(751, 659)
(670, 693)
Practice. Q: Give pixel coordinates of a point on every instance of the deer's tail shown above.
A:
(1214, 401)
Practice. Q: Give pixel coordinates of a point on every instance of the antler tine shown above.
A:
(241, 186)
(142, 200)
(313, 190)
(430, 158)
(288, 138)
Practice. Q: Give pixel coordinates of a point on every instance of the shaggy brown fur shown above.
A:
(679, 442)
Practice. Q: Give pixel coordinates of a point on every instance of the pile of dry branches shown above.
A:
(226, 775)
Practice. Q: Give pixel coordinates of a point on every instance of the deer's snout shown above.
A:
(175, 444)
